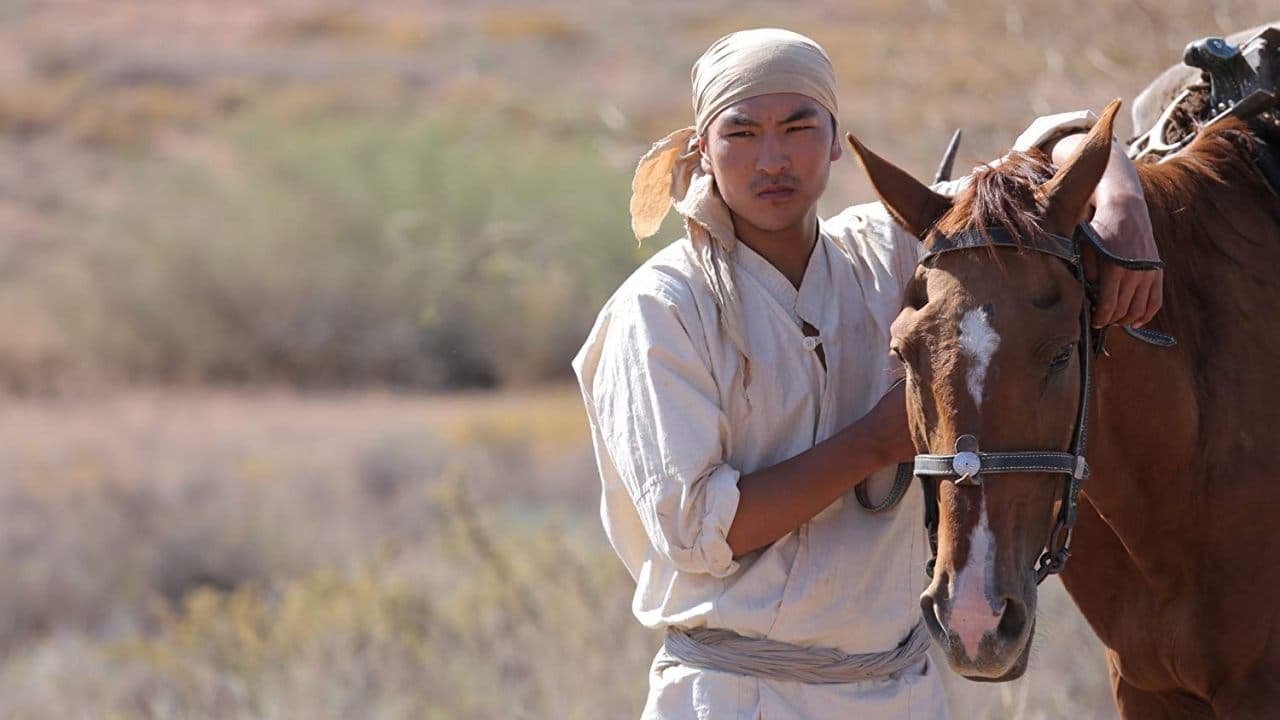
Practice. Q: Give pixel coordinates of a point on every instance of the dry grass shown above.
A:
(349, 26)
(238, 555)
(235, 555)
(511, 25)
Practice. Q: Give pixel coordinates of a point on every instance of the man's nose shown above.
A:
(773, 158)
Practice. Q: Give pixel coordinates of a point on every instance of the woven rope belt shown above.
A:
(727, 651)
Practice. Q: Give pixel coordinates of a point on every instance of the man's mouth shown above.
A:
(776, 192)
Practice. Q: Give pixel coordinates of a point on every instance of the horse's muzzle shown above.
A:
(983, 641)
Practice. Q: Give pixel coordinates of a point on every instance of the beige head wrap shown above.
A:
(736, 67)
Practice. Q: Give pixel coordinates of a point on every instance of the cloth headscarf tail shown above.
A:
(651, 187)
(736, 67)
(672, 169)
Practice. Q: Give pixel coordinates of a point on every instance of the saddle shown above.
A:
(1236, 81)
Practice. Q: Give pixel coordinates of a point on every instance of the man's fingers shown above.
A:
(1138, 304)
(1107, 295)
(1155, 300)
(1129, 284)
(1128, 297)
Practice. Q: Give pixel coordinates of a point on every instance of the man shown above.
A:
(738, 386)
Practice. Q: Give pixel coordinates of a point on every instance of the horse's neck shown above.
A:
(1169, 422)
(1183, 486)
(1146, 432)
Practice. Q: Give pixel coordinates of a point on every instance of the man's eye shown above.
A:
(740, 134)
(795, 128)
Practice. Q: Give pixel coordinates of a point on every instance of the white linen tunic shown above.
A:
(673, 429)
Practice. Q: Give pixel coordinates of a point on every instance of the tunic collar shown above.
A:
(803, 304)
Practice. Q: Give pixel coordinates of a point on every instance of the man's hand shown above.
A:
(888, 421)
(1125, 297)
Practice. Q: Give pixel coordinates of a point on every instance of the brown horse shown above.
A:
(1172, 555)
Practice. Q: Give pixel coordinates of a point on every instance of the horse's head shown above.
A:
(989, 339)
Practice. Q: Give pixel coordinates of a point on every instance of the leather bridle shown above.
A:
(968, 465)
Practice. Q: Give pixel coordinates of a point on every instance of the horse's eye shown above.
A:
(1060, 360)
(896, 351)
(917, 294)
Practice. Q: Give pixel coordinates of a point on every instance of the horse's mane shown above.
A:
(1221, 157)
(1218, 228)
(1003, 194)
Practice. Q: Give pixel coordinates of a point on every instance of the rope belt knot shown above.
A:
(727, 651)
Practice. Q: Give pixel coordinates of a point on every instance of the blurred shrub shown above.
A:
(345, 24)
(514, 25)
(92, 556)
(323, 23)
(426, 253)
(501, 619)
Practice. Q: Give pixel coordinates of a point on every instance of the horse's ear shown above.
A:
(910, 201)
(1066, 196)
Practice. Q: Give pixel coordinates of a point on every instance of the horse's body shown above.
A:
(1173, 554)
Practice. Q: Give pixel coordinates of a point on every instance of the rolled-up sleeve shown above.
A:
(658, 413)
(1051, 127)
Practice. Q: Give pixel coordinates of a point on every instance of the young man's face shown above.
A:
(771, 156)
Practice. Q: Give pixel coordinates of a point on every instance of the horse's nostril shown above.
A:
(1014, 619)
(932, 621)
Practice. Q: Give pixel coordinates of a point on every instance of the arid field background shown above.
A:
(289, 291)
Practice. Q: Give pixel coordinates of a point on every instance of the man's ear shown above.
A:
(912, 203)
(704, 159)
(837, 151)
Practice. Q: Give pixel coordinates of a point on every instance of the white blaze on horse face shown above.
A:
(978, 341)
(974, 613)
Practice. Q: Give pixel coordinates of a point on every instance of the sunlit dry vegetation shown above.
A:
(247, 555)
(242, 240)
(234, 555)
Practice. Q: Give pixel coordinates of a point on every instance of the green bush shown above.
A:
(427, 253)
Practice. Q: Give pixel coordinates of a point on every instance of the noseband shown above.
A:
(968, 464)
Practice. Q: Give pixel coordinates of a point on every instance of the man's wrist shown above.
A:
(868, 447)
(1118, 195)
(890, 443)
(1120, 185)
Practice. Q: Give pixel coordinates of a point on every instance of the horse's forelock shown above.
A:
(1002, 195)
